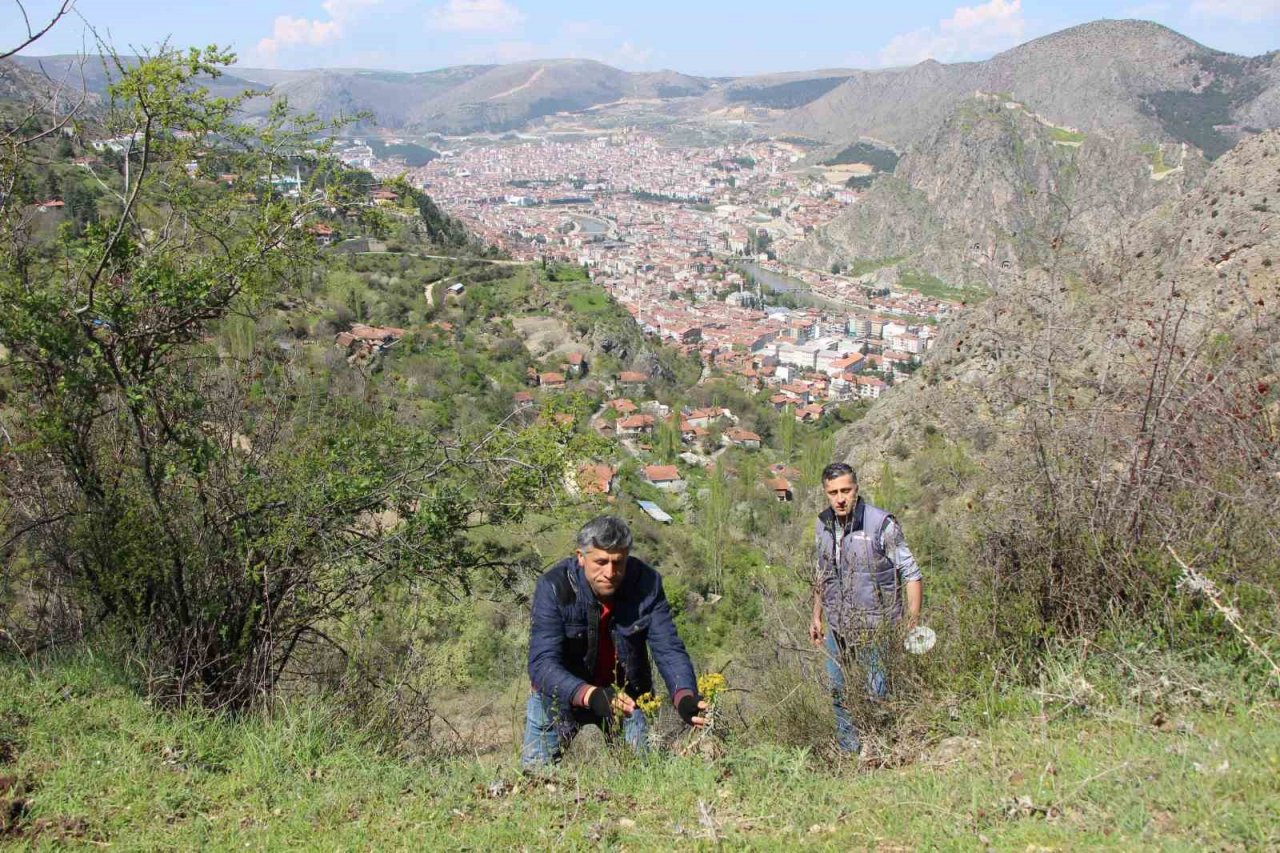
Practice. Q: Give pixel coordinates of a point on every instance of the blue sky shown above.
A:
(705, 37)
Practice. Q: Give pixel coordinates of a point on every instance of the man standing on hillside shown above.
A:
(596, 617)
(863, 569)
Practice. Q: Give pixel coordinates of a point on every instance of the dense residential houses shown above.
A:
(664, 228)
(677, 237)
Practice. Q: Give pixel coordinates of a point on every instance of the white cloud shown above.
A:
(291, 31)
(475, 16)
(1245, 11)
(970, 32)
(288, 31)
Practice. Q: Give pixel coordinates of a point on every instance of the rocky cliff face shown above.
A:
(995, 190)
(1201, 271)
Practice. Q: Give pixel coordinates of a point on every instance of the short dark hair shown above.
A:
(838, 469)
(605, 532)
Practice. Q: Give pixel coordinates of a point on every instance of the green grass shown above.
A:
(104, 766)
(589, 302)
(1059, 134)
(567, 273)
(866, 265)
(1156, 154)
(931, 285)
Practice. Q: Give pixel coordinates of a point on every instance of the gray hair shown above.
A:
(606, 533)
(838, 469)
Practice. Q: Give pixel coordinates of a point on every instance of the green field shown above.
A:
(863, 266)
(98, 765)
(1059, 134)
(930, 285)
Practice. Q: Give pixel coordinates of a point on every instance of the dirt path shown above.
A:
(1173, 170)
(533, 78)
(500, 263)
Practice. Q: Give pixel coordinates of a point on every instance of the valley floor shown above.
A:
(84, 761)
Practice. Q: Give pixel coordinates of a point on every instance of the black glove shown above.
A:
(688, 708)
(601, 702)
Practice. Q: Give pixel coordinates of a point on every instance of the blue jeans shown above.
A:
(868, 658)
(549, 727)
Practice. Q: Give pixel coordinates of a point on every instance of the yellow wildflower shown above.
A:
(649, 703)
(711, 685)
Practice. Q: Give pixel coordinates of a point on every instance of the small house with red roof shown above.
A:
(635, 425)
(743, 438)
(666, 477)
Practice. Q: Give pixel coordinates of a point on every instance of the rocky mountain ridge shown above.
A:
(1136, 77)
(995, 189)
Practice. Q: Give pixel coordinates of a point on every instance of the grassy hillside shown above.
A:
(84, 761)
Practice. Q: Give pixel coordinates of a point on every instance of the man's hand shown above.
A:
(623, 704)
(605, 702)
(691, 710)
(815, 630)
(915, 600)
(815, 624)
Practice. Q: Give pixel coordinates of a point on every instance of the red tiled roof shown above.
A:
(375, 333)
(661, 473)
(595, 479)
(636, 422)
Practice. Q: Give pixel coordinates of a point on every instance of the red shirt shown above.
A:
(606, 654)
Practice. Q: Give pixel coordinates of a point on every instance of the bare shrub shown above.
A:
(1165, 436)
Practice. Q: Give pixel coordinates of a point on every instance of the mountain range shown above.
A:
(1134, 77)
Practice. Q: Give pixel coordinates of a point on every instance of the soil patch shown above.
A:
(845, 171)
(544, 336)
(13, 805)
(15, 816)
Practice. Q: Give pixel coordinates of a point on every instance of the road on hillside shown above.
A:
(501, 263)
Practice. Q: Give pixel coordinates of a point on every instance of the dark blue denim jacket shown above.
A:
(566, 617)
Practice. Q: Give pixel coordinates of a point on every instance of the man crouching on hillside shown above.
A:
(596, 616)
